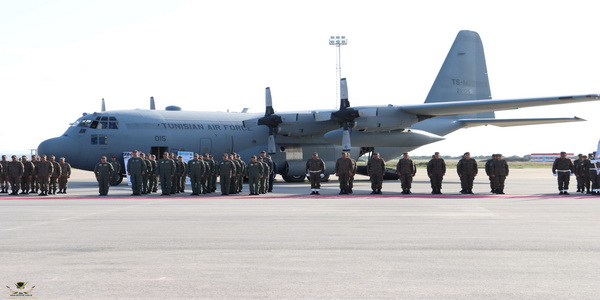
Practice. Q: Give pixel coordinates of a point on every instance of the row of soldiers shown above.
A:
(586, 170)
(145, 173)
(30, 176)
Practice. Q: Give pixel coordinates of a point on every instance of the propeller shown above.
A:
(103, 105)
(345, 115)
(270, 120)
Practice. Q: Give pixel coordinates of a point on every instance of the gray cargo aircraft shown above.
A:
(460, 97)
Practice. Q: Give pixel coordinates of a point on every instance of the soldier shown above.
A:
(343, 169)
(184, 170)
(499, 170)
(562, 168)
(376, 171)
(212, 175)
(195, 172)
(235, 174)
(594, 167)
(582, 169)
(488, 172)
(35, 185)
(225, 172)
(117, 170)
(166, 172)
(28, 169)
(135, 169)
(352, 173)
(153, 184)
(406, 170)
(467, 170)
(575, 164)
(206, 172)
(254, 170)
(272, 174)
(104, 171)
(436, 169)
(263, 184)
(43, 172)
(147, 168)
(65, 174)
(243, 166)
(55, 174)
(269, 162)
(315, 170)
(14, 172)
(3, 175)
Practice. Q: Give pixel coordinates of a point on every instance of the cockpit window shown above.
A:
(104, 122)
(85, 123)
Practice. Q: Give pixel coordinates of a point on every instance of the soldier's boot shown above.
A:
(379, 191)
(470, 191)
(463, 191)
(408, 191)
(375, 191)
(500, 192)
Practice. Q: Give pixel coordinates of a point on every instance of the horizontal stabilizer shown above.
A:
(515, 122)
(478, 106)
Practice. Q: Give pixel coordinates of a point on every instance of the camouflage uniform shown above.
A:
(55, 174)
(376, 170)
(436, 169)
(315, 168)
(65, 173)
(3, 175)
(28, 170)
(343, 169)
(14, 171)
(43, 172)
(467, 170)
(406, 170)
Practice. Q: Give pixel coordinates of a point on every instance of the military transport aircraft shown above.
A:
(460, 97)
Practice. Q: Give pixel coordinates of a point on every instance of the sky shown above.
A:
(59, 58)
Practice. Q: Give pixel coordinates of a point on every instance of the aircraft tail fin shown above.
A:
(463, 75)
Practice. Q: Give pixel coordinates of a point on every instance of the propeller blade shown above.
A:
(268, 102)
(271, 148)
(103, 105)
(346, 144)
(152, 106)
(344, 103)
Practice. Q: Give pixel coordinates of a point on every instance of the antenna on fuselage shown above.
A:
(152, 106)
(103, 105)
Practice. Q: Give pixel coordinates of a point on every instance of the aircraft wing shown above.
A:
(515, 122)
(436, 109)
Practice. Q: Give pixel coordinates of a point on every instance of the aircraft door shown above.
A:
(158, 151)
(205, 145)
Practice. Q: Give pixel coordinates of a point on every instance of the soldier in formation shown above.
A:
(436, 169)
(226, 169)
(263, 183)
(55, 174)
(582, 171)
(562, 168)
(14, 172)
(315, 171)
(376, 171)
(136, 167)
(3, 175)
(498, 173)
(26, 179)
(196, 170)
(116, 170)
(254, 170)
(104, 171)
(43, 173)
(343, 170)
(406, 170)
(65, 174)
(467, 170)
(165, 171)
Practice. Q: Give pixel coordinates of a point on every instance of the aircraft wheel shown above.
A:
(118, 180)
(293, 178)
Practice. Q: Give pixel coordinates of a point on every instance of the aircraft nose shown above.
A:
(60, 147)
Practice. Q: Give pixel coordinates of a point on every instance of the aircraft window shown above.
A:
(104, 123)
(85, 123)
(82, 130)
(99, 139)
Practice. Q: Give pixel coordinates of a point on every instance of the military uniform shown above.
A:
(562, 168)
(406, 170)
(582, 169)
(175, 182)
(28, 169)
(467, 170)
(166, 172)
(35, 185)
(4, 176)
(263, 185)
(352, 174)
(270, 177)
(54, 178)
(116, 173)
(254, 170)
(315, 169)
(343, 169)
(235, 169)
(136, 167)
(204, 180)
(436, 169)
(225, 168)
(103, 171)
(183, 178)
(575, 164)
(376, 171)
(488, 172)
(65, 173)
(499, 171)
(14, 171)
(211, 179)
(146, 176)
(243, 166)
(153, 181)
(196, 172)
(594, 169)
(43, 172)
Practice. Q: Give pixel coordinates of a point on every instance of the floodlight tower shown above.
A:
(338, 41)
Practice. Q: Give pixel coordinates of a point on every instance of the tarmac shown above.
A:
(528, 244)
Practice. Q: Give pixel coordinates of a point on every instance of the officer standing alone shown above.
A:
(103, 171)
(562, 169)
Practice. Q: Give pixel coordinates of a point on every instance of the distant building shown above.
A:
(549, 156)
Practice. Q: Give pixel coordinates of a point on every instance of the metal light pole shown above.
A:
(338, 41)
